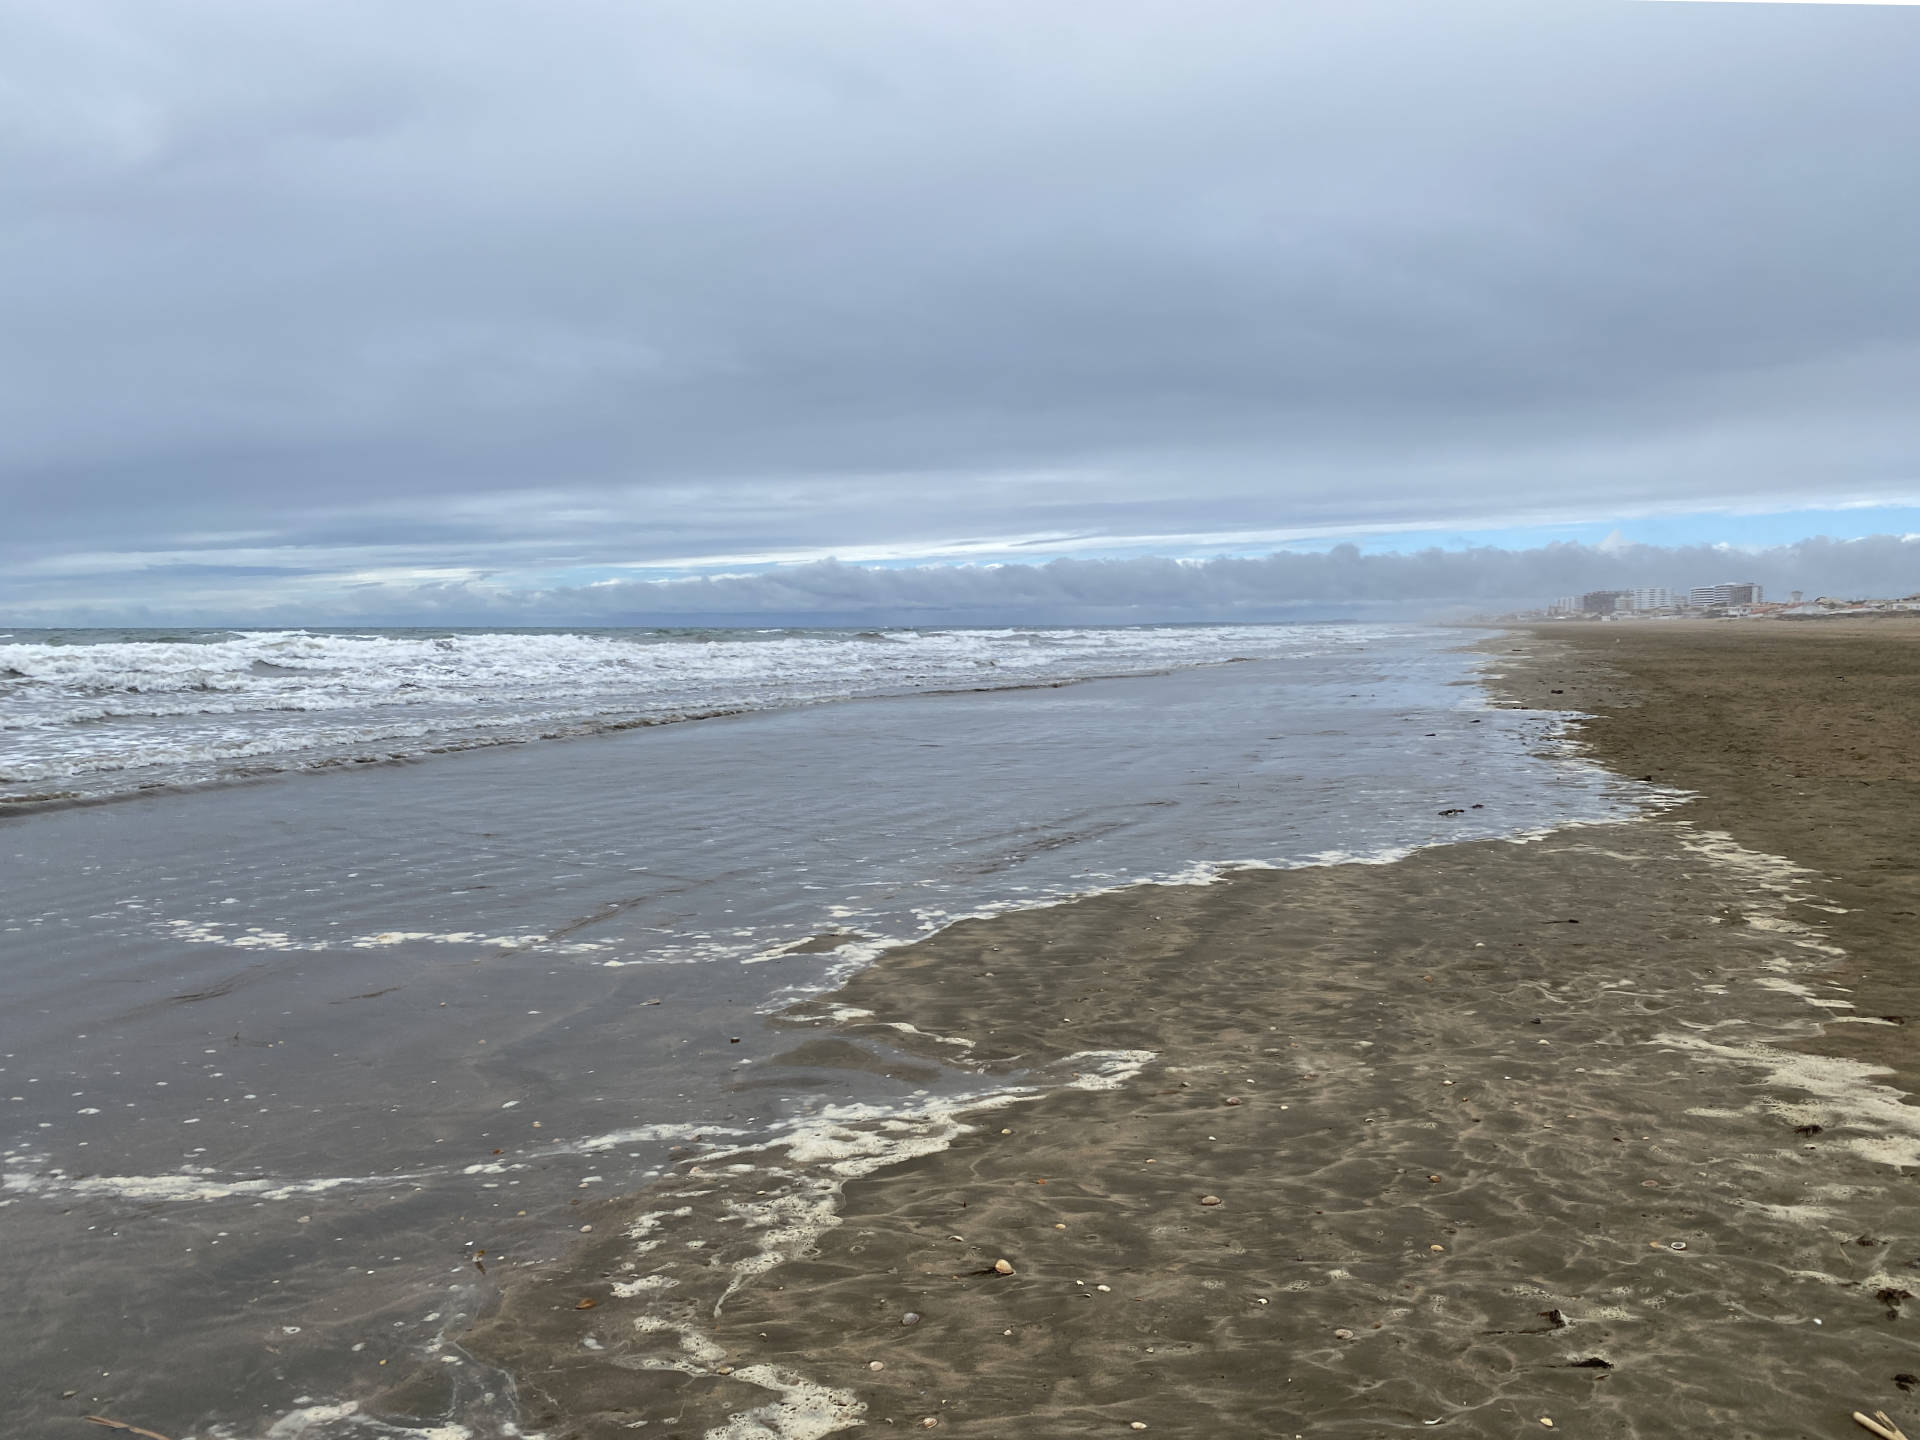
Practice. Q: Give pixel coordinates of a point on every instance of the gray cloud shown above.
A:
(518, 289)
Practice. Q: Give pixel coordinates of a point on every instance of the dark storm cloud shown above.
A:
(513, 288)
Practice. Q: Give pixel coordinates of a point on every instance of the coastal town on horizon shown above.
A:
(1731, 599)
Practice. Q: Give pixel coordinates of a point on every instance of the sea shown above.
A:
(340, 968)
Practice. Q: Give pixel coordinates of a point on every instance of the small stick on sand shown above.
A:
(123, 1425)
(1880, 1425)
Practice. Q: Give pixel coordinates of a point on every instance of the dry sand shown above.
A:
(1502, 1134)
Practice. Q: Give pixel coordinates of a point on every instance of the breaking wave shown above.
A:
(91, 713)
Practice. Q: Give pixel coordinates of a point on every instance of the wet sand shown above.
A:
(1501, 1134)
(1801, 738)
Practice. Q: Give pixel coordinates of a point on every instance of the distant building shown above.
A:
(1565, 605)
(1605, 602)
(1724, 596)
(1652, 597)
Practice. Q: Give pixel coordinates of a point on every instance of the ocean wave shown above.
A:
(172, 707)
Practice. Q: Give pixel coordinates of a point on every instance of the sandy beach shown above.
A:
(1590, 1132)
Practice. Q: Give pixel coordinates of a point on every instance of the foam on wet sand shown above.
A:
(1498, 1132)
(1588, 1128)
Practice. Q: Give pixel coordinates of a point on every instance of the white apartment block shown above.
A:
(1716, 597)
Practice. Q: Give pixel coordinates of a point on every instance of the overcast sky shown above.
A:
(354, 309)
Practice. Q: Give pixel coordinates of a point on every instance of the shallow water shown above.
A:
(280, 1059)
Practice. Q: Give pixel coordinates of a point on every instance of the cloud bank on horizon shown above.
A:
(335, 309)
(1341, 582)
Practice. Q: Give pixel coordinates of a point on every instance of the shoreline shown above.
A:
(402, 962)
(1475, 1168)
